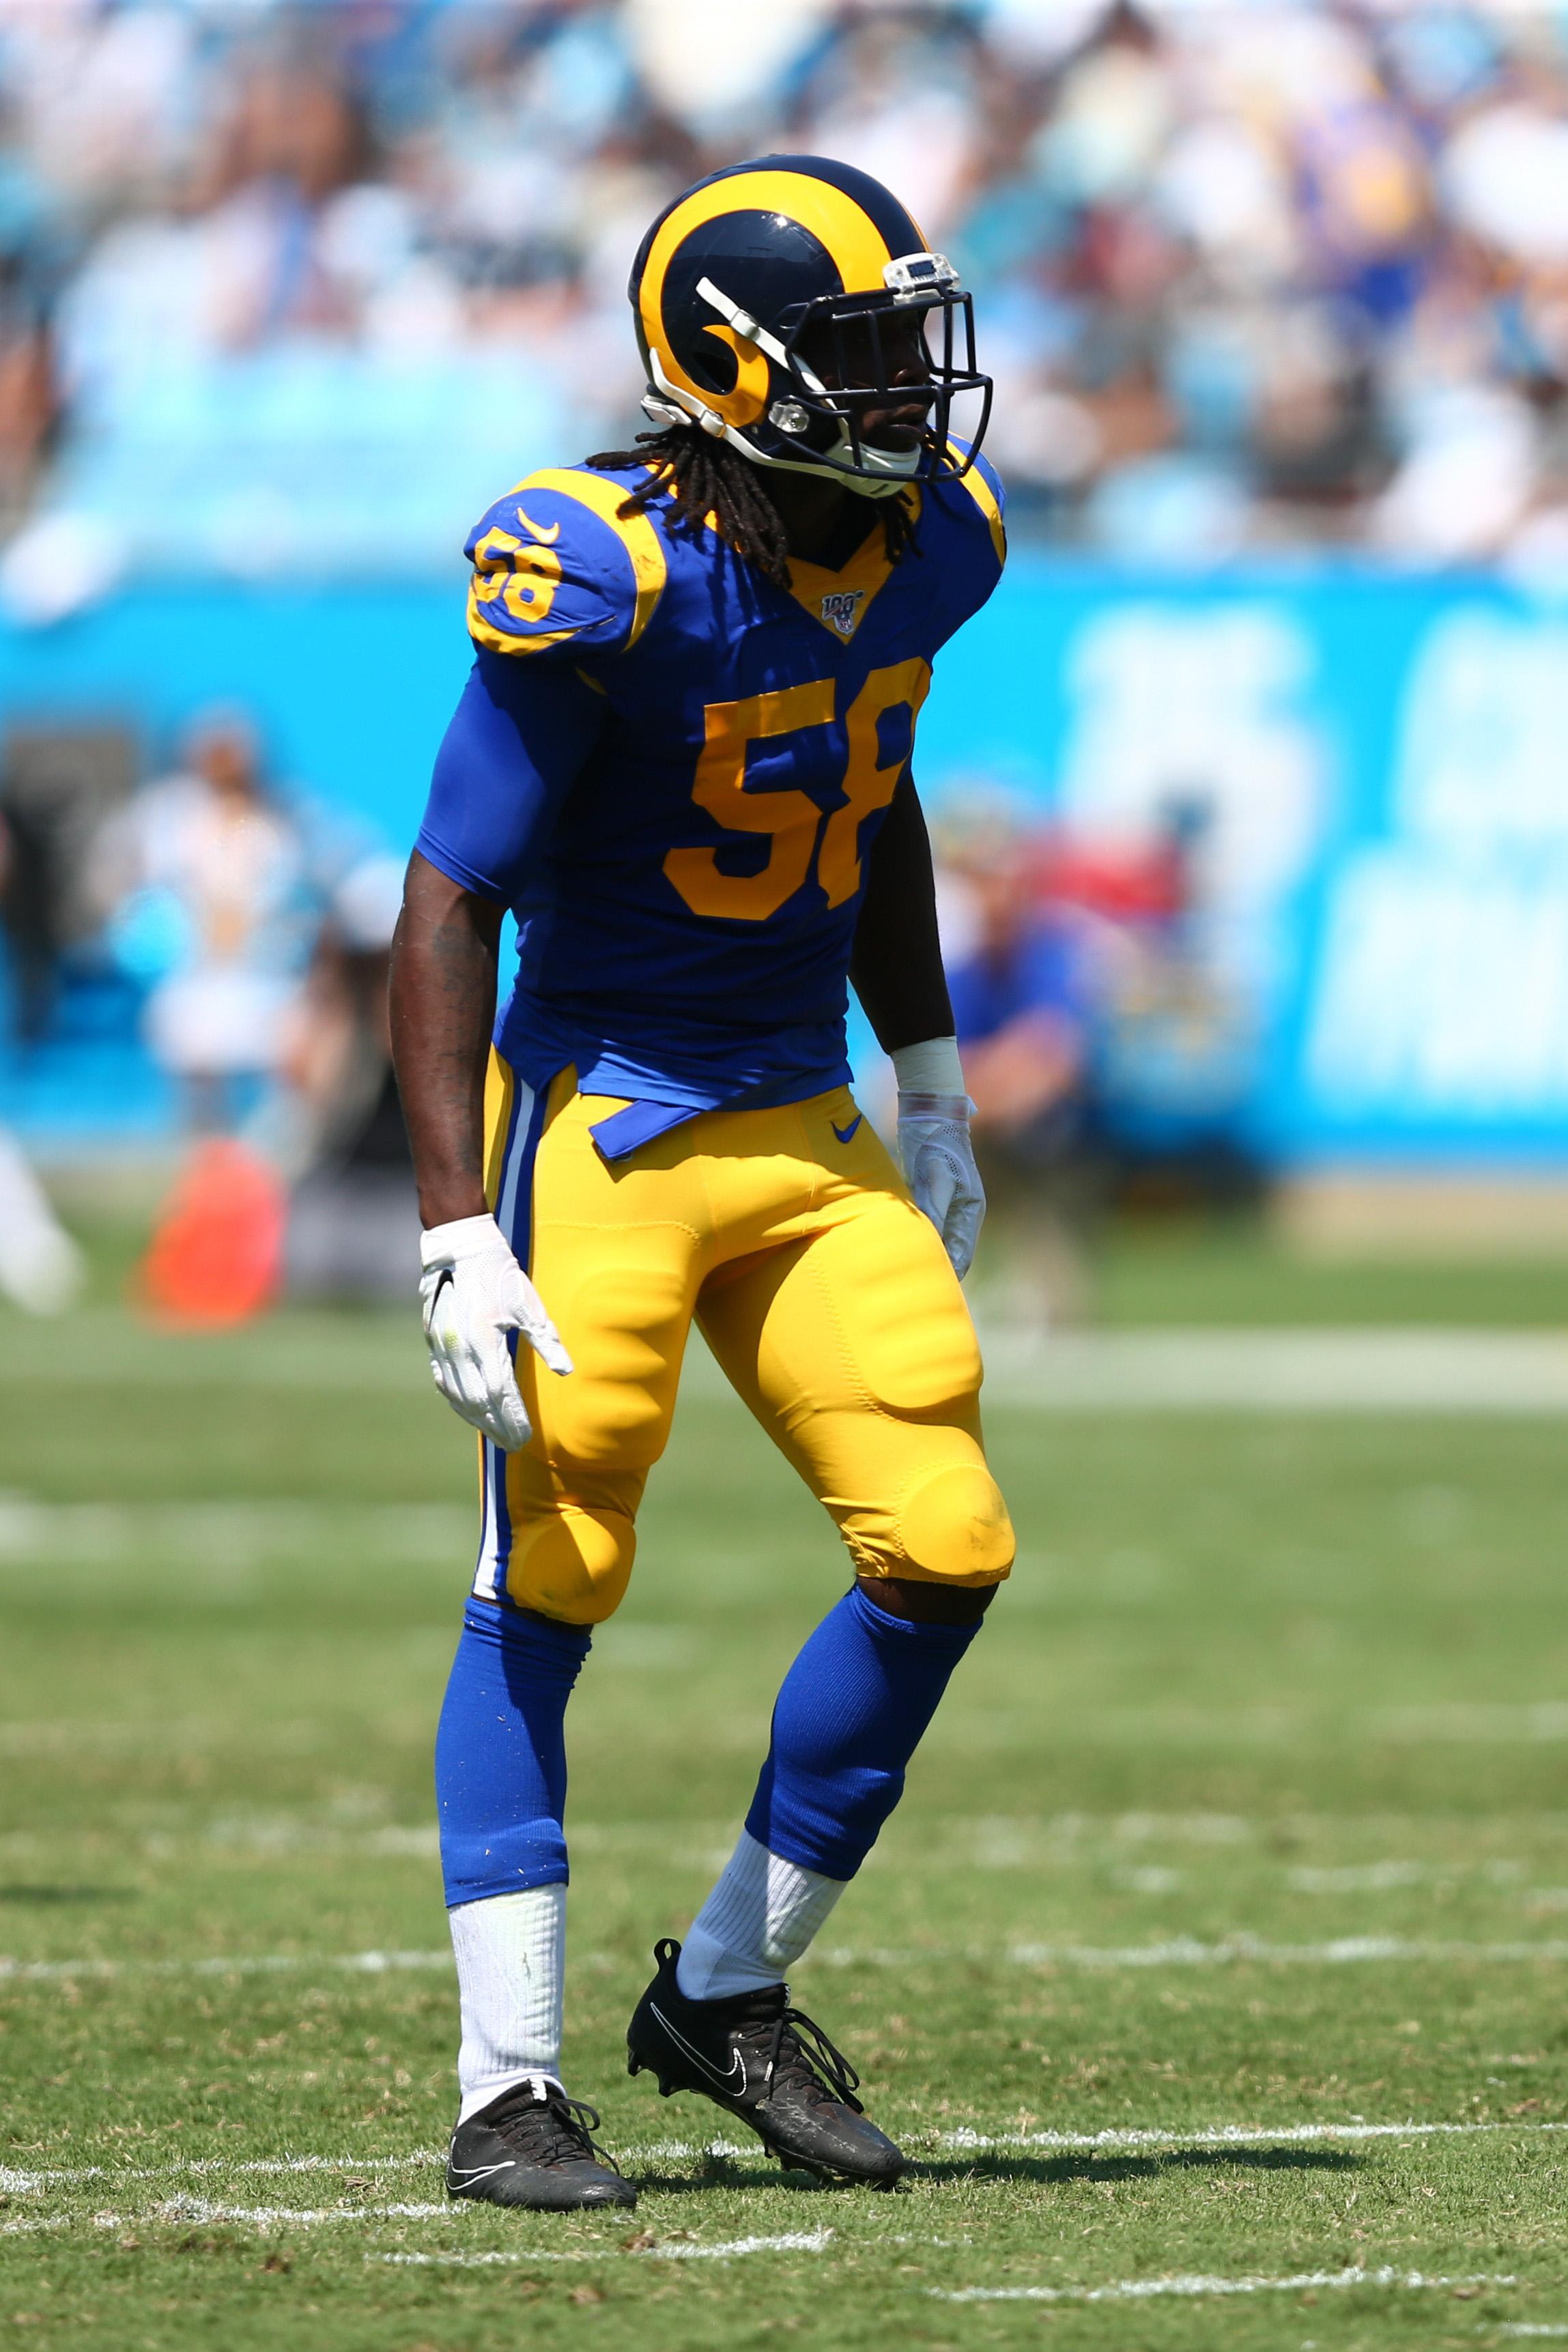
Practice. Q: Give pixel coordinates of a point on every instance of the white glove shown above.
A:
(938, 1161)
(472, 1292)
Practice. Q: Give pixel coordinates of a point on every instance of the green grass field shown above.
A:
(1245, 1815)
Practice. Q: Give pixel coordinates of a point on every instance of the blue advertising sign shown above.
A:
(1385, 761)
(1382, 762)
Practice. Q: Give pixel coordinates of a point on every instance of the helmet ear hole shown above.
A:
(713, 369)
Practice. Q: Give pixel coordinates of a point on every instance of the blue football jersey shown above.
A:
(703, 761)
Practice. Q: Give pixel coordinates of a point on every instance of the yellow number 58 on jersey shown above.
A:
(791, 817)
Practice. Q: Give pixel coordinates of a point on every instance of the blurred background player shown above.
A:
(353, 1214)
(41, 1267)
(683, 759)
(1026, 989)
(1102, 1043)
(257, 923)
(206, 874)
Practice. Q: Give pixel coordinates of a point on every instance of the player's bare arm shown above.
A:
(473, 1292)
(683, 759)
(444, 966)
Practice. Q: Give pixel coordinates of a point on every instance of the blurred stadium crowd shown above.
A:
(286, 291)
(1247, 275)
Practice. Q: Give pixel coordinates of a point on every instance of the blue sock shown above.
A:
(500, 1753)
(852, 1713)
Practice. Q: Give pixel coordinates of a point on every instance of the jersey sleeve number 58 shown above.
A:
(791, 817)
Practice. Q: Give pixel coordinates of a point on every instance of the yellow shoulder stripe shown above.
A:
(985, 498)
(506, 641)
(636, 533)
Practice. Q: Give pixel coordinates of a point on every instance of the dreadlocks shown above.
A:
(706, 477)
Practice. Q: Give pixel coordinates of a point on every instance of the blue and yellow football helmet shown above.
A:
(775, 303)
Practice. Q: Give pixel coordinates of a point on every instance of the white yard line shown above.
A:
(31, 1737)
(1235, 2136)
(1399, 1370)
(102, 1348)
(15, 2183)
(484, 2262)
(225, 1539)
(32, 2184)
(201, 2210)
(1461, 1722)
(791, 2242)
(1175, 1952)
(1187, 1952)
(1144, 2290)
(373, 1964)
(1342, 1951)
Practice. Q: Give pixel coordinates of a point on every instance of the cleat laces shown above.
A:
(558, 2131)
(801, 2057)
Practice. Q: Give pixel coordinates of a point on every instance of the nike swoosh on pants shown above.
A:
(845, 1133)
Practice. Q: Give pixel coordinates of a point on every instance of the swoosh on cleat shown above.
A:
(737, 2063)
(456, 2179)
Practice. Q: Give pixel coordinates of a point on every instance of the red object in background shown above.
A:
(216, 1253)
(1151, 885)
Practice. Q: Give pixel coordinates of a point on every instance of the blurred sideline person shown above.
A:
(683, 757)
(262, 927)
(203, 877)
(41, 1268)
(1022, 975)
(353, 1214)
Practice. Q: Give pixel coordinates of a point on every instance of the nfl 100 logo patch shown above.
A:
(842, 610)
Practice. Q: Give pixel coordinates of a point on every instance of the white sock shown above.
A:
(511, 1966)
(754, 1925)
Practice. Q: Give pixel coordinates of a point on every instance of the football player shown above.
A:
(683, 759)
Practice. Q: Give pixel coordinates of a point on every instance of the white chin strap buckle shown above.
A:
(676, 407)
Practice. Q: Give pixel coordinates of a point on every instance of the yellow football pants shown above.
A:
(824, 1292)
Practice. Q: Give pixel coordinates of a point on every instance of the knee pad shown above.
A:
(574, 1538)
(953, 1526)
(572, 1564)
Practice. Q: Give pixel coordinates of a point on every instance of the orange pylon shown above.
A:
(216, 1253)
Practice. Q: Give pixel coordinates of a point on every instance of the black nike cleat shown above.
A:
(768, 2064)
(531, 2147)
